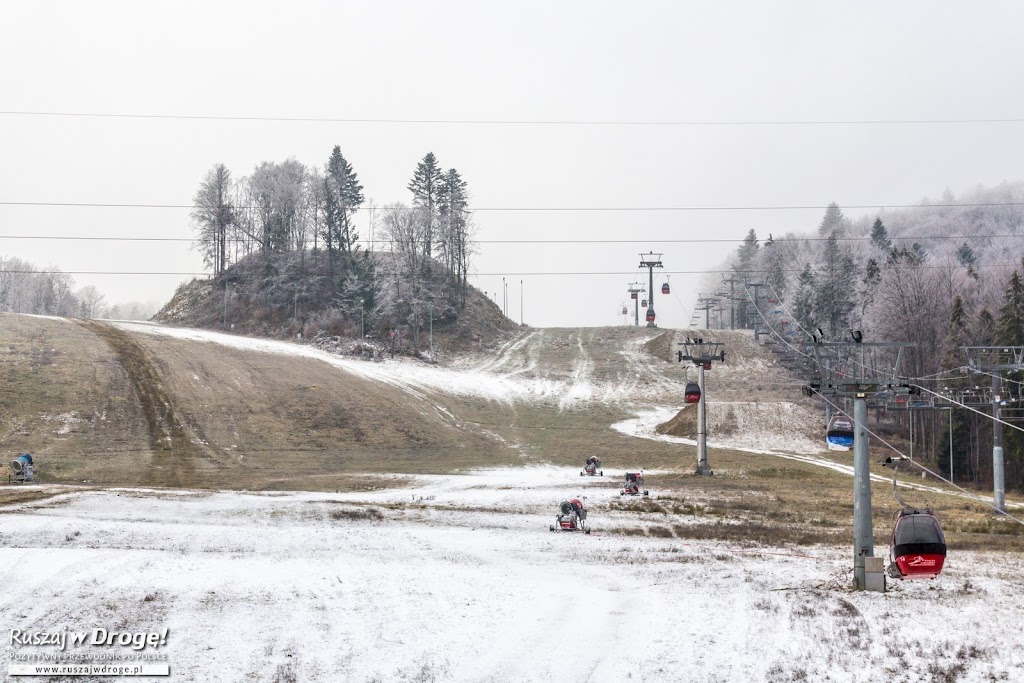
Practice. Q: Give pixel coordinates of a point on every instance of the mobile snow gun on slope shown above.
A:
(592, 467)
(22, 469)
(572, 516)
(634, 485)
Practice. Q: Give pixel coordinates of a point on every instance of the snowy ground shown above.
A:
(456, 577)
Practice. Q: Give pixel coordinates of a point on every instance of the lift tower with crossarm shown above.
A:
(650, 261)
(841, 372)
(701, 353)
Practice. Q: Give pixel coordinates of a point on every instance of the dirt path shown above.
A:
(174, 453)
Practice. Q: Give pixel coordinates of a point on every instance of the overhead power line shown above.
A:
(111, 238)
(539, 209)
(521, 122)
(496, 274)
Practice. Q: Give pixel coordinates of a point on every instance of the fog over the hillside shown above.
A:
(802, 63)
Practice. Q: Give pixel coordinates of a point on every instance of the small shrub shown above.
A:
(372, 514)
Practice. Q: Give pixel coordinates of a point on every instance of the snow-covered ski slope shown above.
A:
(456, 578)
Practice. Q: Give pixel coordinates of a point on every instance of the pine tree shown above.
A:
(880, 236)
(833, 300)
(342, 182)
(803, 301)
(1009, 328)
(747, 252)
(872, 277)
(834, 222)
(453, 198)
(426, 188)
(775, 264)
(986, 328)
(966, 256)
(956, 335)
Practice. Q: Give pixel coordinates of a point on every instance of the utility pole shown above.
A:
(835, 379)
(650, 261)
(431, 305)
(504, 297)
(995, 360)
(702, 354)
(520, 303)
(362, 319)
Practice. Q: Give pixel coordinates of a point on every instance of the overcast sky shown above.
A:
(511, 61)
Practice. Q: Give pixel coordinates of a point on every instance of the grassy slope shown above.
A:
(259, 421)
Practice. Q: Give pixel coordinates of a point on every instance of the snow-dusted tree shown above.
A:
(776, 260)
(212, 216)
(966, 256)
(836, 288)
(345, 197)
(872, 276)
(803, 300)
(401, 277)
(276, 193)
(92, 303)
(834, 222)
(747, 252)
(454, 223)
(911, 306)
(426, 189)
(1009, 328)
(880, 236)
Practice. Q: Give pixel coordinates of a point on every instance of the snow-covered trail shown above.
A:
(643, 424)
(472, 587)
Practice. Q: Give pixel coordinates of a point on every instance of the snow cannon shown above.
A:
(571, 516)
(592, 467)
(634, 485)
(22, 468)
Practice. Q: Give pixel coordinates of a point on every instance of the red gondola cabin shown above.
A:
(650, 316)
(665, 289)
(692, 393)
(917, 547)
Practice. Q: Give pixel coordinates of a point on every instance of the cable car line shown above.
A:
(614, 209)
(922, 467)
(680, 123)
(194, 240)
(970, 408)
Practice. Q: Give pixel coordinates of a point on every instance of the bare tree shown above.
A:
(212, 214)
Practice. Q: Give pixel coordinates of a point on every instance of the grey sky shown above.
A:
(572, 61)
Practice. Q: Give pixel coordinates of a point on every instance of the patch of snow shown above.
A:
(459, 579)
